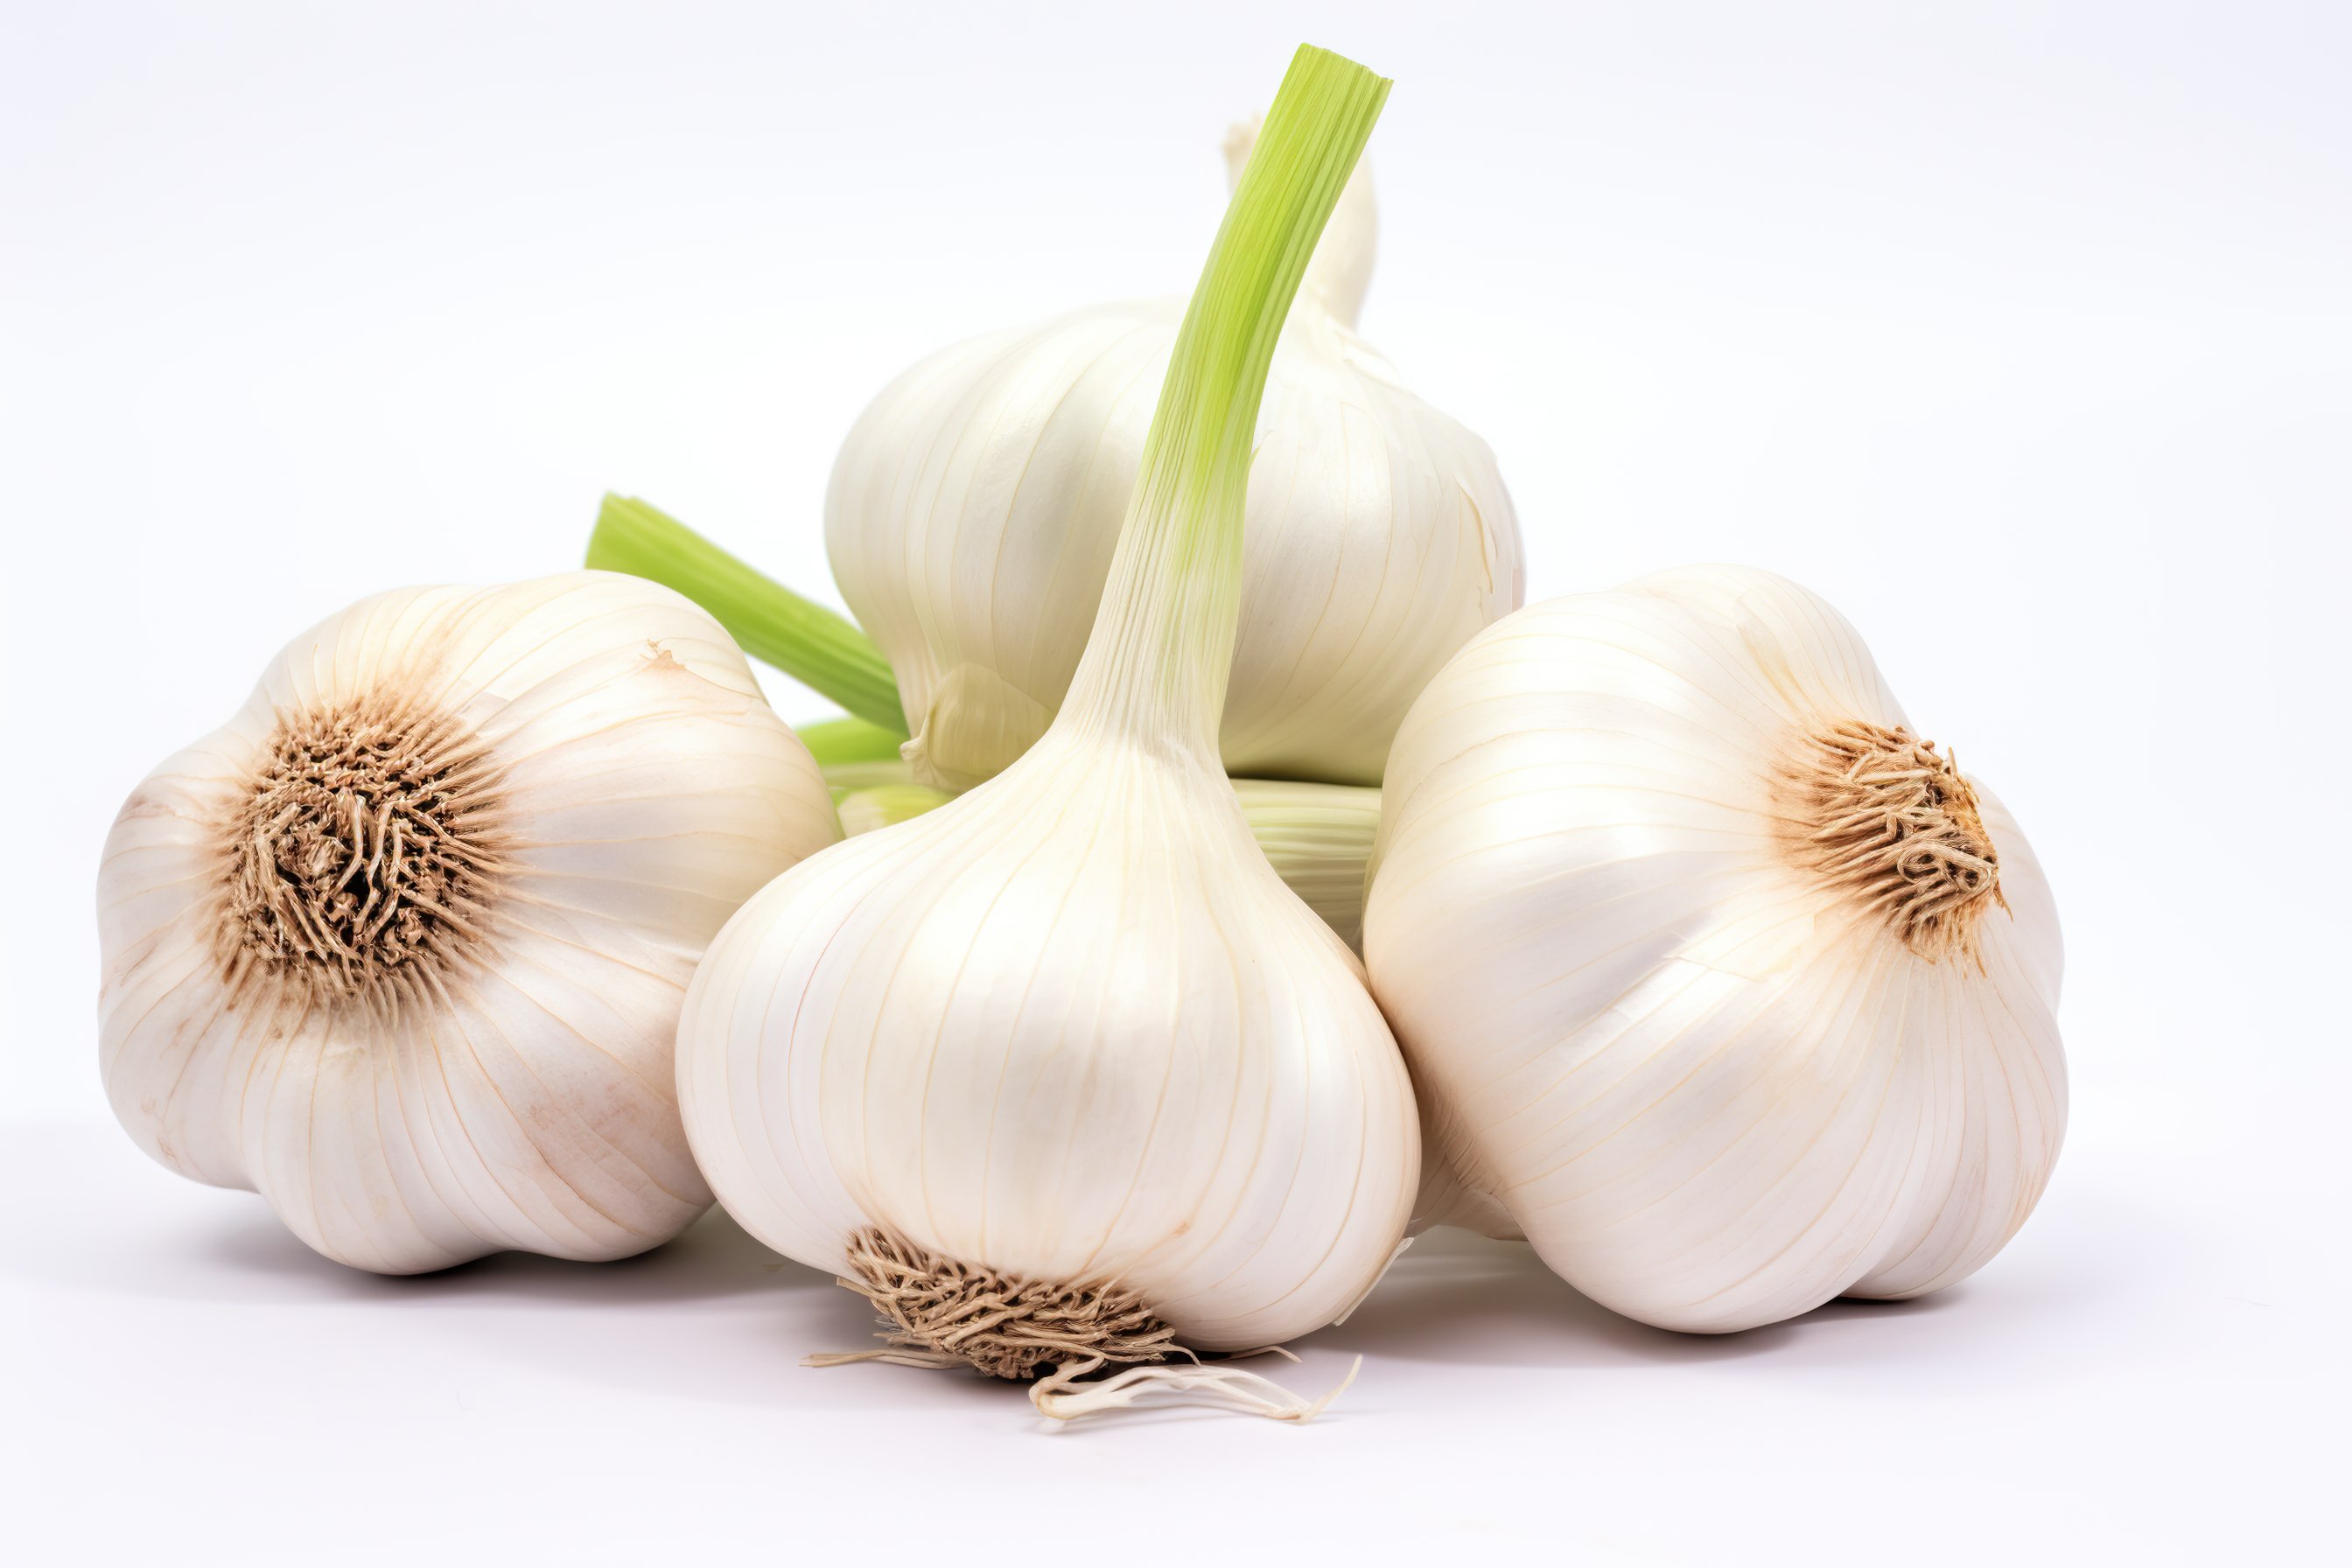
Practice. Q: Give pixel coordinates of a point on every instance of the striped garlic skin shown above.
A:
(1118, 1055)
(973, 509)
(1715, 1092)
(521, 1096)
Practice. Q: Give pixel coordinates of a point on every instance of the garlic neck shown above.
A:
(1878, 817)
(1340, 271)
(1155, 666)
(1154, 671)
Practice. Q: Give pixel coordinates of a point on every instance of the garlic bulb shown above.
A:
(1731, 987)
(1060, 1074)
(402, 946)
(1317, 837)
(973, 509)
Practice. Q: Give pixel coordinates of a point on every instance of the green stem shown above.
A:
(882, 805)
(855, 755)
(821, 650)
(838, 741)
(1155, 666)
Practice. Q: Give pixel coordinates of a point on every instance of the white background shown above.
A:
(2022, 333)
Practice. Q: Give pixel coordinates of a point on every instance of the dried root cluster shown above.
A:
(942, 1312)
(362, 860)
(1879, 814)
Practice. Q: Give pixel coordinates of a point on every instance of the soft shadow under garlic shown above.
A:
(712, 1259)
(1459, 1299)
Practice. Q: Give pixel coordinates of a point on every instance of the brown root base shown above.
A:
(938, 1312)
(359, 862)
(1878, 814)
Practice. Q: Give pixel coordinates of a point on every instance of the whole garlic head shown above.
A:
(1068, 1028)
(1732, 988)
(972, 512)
(402, 946)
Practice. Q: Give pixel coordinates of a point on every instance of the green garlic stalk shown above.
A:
(879, 805)
(821, 649)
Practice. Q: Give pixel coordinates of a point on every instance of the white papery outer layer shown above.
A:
(974, 507)
(1713, 1093)
(649, 790)
(1113, 1054)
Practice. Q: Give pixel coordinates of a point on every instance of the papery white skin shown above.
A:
(1070, 1027)
(974, 507)
(649, 791)
(1316, 838)
(1713, 1093)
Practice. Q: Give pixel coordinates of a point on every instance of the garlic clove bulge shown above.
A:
(1318, 839)
(1735, 992)
(402, 946)
(973, 509)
